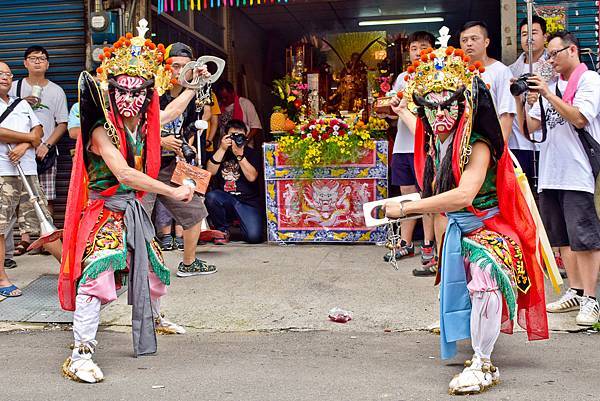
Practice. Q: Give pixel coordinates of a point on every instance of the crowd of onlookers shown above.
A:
(542, 135)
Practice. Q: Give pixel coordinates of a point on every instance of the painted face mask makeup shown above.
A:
(441, 110)
(129, 95)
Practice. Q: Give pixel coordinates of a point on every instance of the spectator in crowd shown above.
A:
(213, 123)
(518, 143)
(566, 182)
(474, 40)
(74, 124)
(23, 131)
(403, 168)
(236, 195)
(51, 109)
(234, 107)
(177, 119)
(163, 221)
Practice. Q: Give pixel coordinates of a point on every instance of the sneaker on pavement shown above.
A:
(178, 243)
(164, 326)
(198, 267)
(589, 312)
(166, 242)
(404, 251)
(428, 270)
(427, 254)
(568, 302)
(10, 264)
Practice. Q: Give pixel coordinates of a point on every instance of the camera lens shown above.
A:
(519, 87)
(188, 153)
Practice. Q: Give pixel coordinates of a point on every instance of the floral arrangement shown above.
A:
(289, 93)
(325, 142)
(555, 16)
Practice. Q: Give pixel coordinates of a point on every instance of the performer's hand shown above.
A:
(202, 71)
(32, 100)
(226, 142)
(17, 152)
(183, 193)
(394, 210)
(171, 143)
(41, 151)
(539, 85)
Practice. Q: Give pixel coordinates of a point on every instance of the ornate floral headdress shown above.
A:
(444, 68)
(138, 57)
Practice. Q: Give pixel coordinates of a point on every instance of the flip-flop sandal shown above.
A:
(21, 248)
(8, 291)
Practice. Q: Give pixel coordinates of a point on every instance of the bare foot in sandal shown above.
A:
(10, 291)
(21, 248)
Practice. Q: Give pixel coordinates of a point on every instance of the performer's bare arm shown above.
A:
(455, 199)
(176, 107)
(102, 146)
(34, 136)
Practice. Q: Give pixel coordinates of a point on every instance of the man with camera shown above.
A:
(236, 194)
(474, 41)
(174, 141)
(566, 181)
(518, 143)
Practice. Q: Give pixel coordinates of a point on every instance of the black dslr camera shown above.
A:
(189, 154)
(239, 139)
(521, 85)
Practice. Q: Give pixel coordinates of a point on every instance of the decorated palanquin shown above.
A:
(328, 206)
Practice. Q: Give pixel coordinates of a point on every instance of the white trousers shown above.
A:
(486, 311)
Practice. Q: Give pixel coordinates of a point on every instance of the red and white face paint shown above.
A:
(129, 101)
(442, 119)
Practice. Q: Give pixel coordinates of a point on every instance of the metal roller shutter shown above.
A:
(59, 26)
(582, 20)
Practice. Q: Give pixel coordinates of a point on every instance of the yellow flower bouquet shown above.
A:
(325, 142)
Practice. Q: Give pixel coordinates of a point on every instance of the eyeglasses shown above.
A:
(6, 74)
(553, 54)
(35, 59)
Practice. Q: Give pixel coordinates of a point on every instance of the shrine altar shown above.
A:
(327, 207)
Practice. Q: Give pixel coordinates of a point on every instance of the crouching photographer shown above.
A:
(236, 193)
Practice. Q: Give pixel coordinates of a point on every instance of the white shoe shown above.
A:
(568, 302)
(477, 376)
(164, 326)
(83, 369)
(588, 313)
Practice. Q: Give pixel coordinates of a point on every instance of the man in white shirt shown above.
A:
(524, 150)
(403, 169)
(51, 110)
(237, 108)
(566, 182)
(474, 40)
(23, 131)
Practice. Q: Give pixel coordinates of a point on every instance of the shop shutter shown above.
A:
(59, 26)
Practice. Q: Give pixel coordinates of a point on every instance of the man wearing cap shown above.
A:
(188, 215)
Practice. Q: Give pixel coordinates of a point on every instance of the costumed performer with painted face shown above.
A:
(109, 238)
(488, 269)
